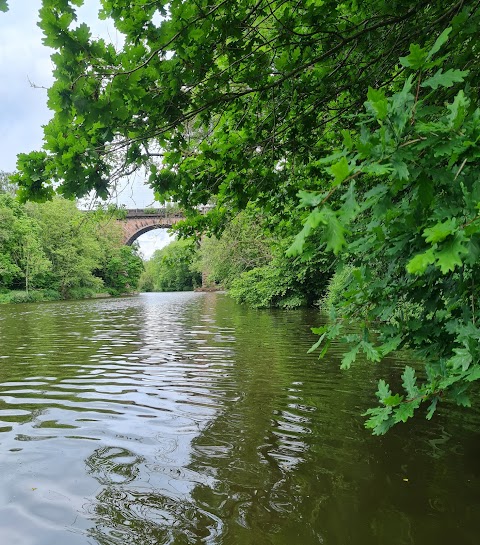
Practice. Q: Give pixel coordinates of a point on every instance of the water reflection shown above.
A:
(182, 418)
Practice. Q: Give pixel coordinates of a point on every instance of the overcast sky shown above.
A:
(23, 110)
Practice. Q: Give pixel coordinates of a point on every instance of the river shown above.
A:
(187, 419)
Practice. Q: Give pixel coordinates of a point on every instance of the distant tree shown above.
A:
(171, 267)
(23, 262)
(243, 245)
(6, 184)
(122, 269)
(71, 244)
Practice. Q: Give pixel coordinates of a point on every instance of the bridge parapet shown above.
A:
(153, 213)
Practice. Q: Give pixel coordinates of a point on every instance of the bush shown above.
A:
(266, 286)
(336, 287)
(23, 297)
(82, 293)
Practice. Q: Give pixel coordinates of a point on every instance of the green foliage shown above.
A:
(170, 269)
(53, 250)
(238, 95)
(264, 287)
(150, 211)
(243, 245)
(23, 262)
(336, 286)
(415, 241)
(70, 244)
(122, 270)
(284, 282)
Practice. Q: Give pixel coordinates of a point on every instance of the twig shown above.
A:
(460, 169)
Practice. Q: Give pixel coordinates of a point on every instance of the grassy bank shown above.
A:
(37, 296)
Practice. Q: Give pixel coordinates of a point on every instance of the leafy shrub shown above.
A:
(82, 293)
(336, 287)
(266, 286)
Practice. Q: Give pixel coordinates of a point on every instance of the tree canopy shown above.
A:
(354, 126)
(53, 250)
(236, 96)
(169, 269)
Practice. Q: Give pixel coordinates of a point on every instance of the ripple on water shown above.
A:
(179, 418)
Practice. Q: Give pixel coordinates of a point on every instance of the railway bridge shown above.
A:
(141, 220)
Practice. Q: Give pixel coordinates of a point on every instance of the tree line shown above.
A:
(53, 250)
(349, 132)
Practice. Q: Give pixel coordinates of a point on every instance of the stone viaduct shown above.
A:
(139, 221)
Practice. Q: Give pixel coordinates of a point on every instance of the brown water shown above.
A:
(186, 419)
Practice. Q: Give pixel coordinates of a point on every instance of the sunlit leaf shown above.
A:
(445, 79)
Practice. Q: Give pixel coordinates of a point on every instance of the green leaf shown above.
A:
(409, 382)
(383, 390)
(347, 139)
(313, 220)
(340, 170)
(432, 408)
(462, 359)
(404, 412)
(377, 169)
(390, 346)
(400, 170)
(461, 398)
(458, 110)
(393, 401)
(309, 198)
(317, 344)
(349, 357)
(418, 264)
(380, 420)
(416, 59)
(334, 232)
(445, 79)
(439, 42)
(3, 5)
(473, 374)
(449, 256)
(440, 231)
(378, 102)
(370, 351)
(350, 208)
(196, 34)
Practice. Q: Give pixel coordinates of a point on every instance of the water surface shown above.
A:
(186, 419)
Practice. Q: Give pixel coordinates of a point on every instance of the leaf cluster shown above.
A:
(411, 237)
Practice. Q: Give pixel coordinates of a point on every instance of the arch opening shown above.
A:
(151, 239)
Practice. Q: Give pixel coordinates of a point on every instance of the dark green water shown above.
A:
(185, 419)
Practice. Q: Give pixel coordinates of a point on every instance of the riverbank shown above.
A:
(39, 296)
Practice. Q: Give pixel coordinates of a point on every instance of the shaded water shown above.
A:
(186, 419)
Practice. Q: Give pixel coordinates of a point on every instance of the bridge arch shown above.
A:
(144, 230)
(139, 221)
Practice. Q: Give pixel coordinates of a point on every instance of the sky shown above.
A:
(25, 72)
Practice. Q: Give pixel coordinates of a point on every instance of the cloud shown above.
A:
(24, 61)
(23, 108)
(154, 240)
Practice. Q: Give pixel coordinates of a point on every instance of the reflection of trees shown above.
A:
(282, 456)
(257, 446)
(291, 460)
(128, 510)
